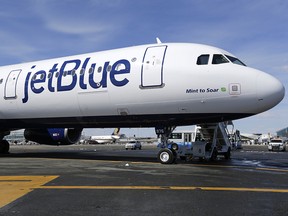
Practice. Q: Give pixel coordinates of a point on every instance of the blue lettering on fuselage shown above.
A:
(67, 80)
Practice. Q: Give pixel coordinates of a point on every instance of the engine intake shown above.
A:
(53, 136)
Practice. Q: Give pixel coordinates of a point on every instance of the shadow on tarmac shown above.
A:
(128, 156)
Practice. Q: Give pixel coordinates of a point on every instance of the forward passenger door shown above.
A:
(152, 67)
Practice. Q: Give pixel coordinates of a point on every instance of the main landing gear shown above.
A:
(4, 147)
(4, 144)
(167, 154)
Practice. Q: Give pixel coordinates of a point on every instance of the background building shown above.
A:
(283, 132)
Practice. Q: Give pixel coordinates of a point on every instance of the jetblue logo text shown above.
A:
(71, 73)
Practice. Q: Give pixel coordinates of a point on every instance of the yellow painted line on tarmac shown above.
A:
(263, 190)
(272, 169)
(14, 187)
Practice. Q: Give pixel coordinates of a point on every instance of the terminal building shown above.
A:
(283, 132)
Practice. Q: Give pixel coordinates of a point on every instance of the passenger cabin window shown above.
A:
(219, 59)
(203, 59)
(235, 60)
(82, 71)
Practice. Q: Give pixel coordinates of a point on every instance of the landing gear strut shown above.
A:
(166, 155)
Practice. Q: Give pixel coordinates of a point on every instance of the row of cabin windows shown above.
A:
(218, 59)
(73, 72)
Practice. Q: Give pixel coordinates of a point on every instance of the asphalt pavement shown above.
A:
(108, 180)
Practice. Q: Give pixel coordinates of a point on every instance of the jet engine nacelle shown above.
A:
(53, 136)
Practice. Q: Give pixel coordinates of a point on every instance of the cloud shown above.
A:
(19, 50)
(76, 27)
(86, 20)
(284, 68)
(80, 24)
(14, 47)
(46, 29)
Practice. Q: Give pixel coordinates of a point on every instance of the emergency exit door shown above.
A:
(11, 83)
(152, 67)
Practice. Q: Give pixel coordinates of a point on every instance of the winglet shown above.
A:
(158, 40)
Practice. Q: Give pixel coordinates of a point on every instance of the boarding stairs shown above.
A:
(215, 140)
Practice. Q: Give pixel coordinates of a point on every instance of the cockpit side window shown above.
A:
(235, 60)
(219, 59)
(203, 59)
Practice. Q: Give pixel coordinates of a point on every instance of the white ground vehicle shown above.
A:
(133, 145)
(276, 145)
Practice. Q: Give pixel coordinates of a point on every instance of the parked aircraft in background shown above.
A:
(159, 85)
(107, 138)
(116, 137)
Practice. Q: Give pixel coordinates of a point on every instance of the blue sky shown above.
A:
(255, 31)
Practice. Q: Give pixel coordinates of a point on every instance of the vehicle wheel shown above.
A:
(227, 155)
(140, 148)
(166, 156)
(4, 147)
(126, 148)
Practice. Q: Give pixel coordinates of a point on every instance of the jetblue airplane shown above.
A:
(155, 85)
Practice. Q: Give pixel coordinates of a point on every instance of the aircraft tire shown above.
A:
(166, 156)
(4, 147)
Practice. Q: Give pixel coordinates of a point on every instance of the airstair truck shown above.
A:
(207, 141)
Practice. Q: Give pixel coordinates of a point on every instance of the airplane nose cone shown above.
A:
(270, 91)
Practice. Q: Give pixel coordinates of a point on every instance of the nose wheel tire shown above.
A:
(166, 156)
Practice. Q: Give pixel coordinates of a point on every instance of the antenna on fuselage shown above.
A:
(158, 40)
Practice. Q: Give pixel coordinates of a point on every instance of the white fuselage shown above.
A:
(148, 85)
(105, 139)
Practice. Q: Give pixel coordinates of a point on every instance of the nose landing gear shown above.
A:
(165, 155)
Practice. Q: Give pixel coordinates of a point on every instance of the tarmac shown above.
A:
(108, 180)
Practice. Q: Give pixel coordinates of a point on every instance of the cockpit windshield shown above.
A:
(235, 60)
(219, 59)
(203, 59)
